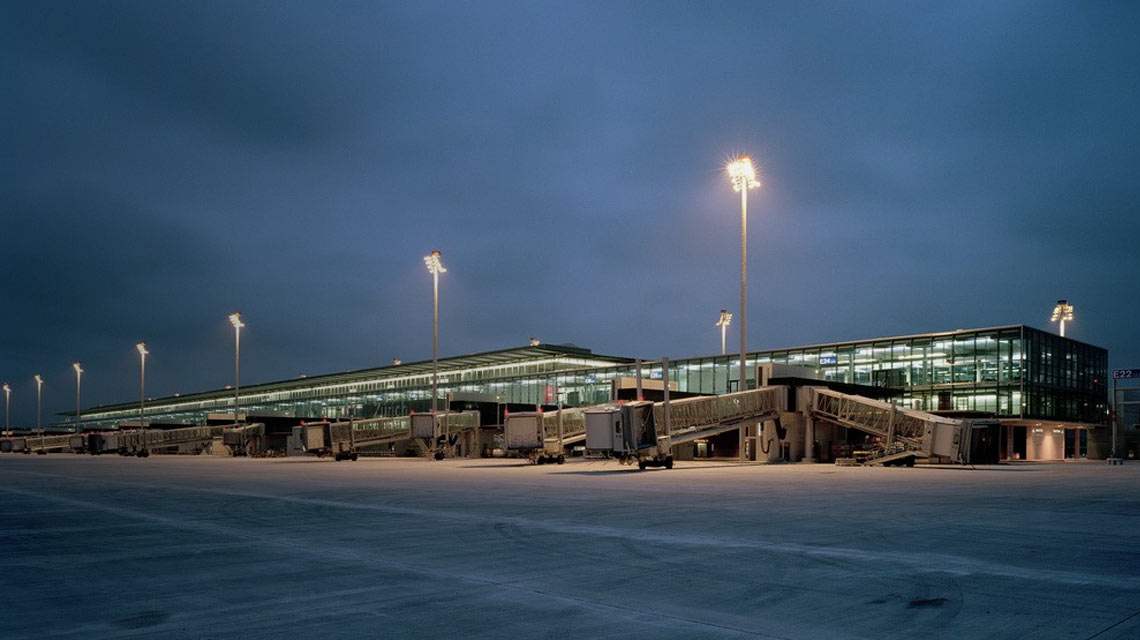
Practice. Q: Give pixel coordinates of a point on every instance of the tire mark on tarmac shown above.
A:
(634, 614)
(907, 561)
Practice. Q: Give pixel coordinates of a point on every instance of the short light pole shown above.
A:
(743, 177)
(723, 322)
(235, 320)
(435, 267)
(39, 397)
(141, 347)
(7, 407)
(78, 374)
(1061, 313)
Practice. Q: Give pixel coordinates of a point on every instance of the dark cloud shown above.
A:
(926, 167)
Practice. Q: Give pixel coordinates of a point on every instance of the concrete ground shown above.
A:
(181, 547)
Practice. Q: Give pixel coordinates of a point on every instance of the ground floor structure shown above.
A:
(1047, 390)
(177, 547)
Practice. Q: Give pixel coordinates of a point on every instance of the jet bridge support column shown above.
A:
(809, 437)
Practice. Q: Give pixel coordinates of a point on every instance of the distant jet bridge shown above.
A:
(645, 432)
(240, 437)
(436, 432)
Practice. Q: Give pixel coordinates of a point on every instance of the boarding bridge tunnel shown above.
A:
(440, 434)
(648, 433)
(233, 439)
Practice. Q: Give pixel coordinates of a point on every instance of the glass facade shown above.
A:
(1014, 371)
(1009, 371)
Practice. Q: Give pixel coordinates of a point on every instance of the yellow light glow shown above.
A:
(1063, 311)
(742, 174)
(235, 320)
(725, 319)
(78, 369)
(39, 380)
(142, 348)
(434, 266)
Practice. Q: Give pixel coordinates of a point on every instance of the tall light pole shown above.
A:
(7, 407)
(78, 374)
(1062, 312)
(39, 397)
(141, 347)
(743, 177)
(435, 267)
(235, 320)
(725, 320)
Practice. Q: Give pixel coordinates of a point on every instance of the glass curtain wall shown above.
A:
(1010, 371)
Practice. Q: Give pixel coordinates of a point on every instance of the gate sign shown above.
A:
(1120, 374)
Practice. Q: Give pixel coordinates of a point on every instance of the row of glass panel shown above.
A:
(984, 371)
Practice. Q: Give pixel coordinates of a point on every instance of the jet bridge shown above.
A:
(240, 437)
(341, 439)
(436, 432)
(541, 436)
(40, 444)
(906, 434)
(645, 432)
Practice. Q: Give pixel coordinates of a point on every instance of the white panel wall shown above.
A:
(1045, 443)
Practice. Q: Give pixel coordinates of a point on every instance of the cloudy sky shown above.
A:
(926, 166)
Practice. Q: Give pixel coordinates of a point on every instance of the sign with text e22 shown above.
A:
(1121, 374)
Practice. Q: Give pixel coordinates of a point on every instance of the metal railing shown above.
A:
(47, 443)
(371, 431)
(363, 433)
(913, 428)
(573, 424)
(704, 412)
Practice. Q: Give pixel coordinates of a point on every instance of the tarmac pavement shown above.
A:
(197, 547)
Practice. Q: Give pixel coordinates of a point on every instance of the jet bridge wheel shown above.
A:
(669, 462)
(540, 460)
(438, 455)
(561, 459)
(641, 465)
(354, 456)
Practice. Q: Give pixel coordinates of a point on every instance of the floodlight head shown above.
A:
(1063, 311)
(434, 266)
(235, 320)
(142, 348)
(39, 379)
(78, 369)
(534, 342)
(742, 174)
(7, 389)
(725, 318)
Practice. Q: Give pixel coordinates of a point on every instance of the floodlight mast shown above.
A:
(743, 177)
(235, 320)
(723, 322)
(78, 375)
(141, 348)
(1062, 313)
(39, 397)
(435, 267)
(7, 407)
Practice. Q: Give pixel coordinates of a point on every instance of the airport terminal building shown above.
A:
(1049, 392)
